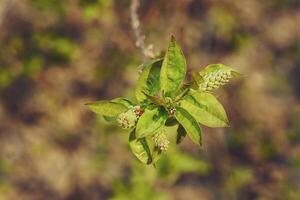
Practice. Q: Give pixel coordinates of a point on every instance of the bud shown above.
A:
(138, 111)
(171, 112)
(215, 79)
(127, 120)
(212, 79)
(160, 140)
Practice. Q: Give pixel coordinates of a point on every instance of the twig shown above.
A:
(147, 51)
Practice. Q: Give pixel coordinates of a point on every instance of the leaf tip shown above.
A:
(88, 105)
(173, 39)
(154, 165)
(226, 123)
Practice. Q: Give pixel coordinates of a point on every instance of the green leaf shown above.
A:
(205, 108)
(151, 121)
(197, 79)
(140, 148)
(149, 82)
(173, 69)
(107, 108)
(109, 119)
(155, 100)
(181, 92)
(122, 101)
(190, 124)
(171, 122)
(181, 133)
(213, 68)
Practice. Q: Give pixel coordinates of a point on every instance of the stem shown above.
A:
(147, 51)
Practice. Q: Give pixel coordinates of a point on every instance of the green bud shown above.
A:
(160, 140)
(127, 120)
(218, 78)
(210, 84)
(215, 86)
(213, 80)
(206, 77)
(224, 76)
(223, 80)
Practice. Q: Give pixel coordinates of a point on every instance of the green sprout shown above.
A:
(165, 100)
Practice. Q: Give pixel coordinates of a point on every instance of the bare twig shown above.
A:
(147, 51)
(4, 9)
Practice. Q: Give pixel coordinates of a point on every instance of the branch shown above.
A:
(147, 51)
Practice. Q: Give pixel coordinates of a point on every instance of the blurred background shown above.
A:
(56, 55)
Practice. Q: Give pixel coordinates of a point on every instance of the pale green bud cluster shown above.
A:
(128, 119)
(214, 80)
(161, 141)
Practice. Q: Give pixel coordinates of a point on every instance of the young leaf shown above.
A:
(140, 148)
(196, 81)
(212, 68)
(205, 108)
(122, 101)
(110, 119)
(107, 108)
(171, 122)
(181, 133)
(190, 124)
(197, 77)
(181, 93)
(151, 121)
(213, 76)
(173, 69)
(149, 82)
(155, 100)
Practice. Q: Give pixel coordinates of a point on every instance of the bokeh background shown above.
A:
(56, 55)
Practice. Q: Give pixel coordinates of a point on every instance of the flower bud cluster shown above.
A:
(129, 119)
(214, 80)
(161, 141)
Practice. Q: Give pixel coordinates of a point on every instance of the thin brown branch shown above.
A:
(147, 51)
